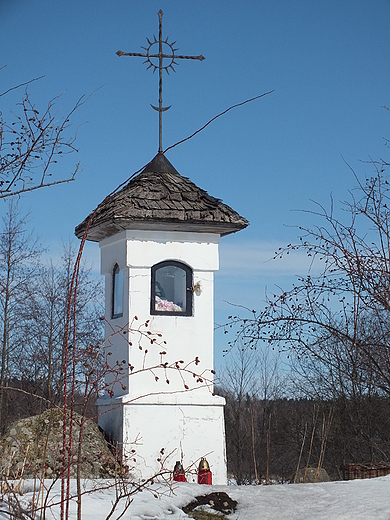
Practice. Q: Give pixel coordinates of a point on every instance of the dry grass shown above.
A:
(206, 515)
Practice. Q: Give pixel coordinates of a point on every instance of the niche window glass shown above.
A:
(171, 289)
(117, 292)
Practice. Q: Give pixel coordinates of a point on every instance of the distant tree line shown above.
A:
(270, 437)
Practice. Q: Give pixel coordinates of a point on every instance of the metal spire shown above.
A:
(161, 56)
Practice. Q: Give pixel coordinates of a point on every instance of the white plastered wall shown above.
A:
(182, 420)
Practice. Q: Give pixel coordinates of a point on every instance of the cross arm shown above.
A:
(170, 56)
(140, 54)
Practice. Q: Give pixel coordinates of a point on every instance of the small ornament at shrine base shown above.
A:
(178, 472)
(204, 473)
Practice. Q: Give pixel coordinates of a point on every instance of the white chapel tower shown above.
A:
(159, 239)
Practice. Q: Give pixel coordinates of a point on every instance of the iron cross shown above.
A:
(171, 57)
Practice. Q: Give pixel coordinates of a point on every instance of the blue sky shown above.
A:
(327, 62)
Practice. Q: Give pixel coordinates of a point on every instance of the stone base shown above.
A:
(186, 430)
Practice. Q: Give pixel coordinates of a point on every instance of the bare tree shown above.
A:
(250, 382)
(43, 323)
(19, 260)
(238, 386)
(337, 324)
(32, 141)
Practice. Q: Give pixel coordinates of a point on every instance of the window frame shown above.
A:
(189, 293)
(115, 271)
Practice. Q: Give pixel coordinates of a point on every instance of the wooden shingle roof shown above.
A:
(159, 198)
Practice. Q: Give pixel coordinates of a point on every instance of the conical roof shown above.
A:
(159, 198)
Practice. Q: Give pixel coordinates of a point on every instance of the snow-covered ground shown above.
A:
(357, 499)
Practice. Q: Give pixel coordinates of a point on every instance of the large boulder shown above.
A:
(34, 446)
(308, 476)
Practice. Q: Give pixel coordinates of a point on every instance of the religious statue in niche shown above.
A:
(171, 289)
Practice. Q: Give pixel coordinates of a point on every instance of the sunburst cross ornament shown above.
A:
(170, 60)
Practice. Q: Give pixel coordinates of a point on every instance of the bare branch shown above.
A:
(32, 144)
(20, 85)
(216, 117)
